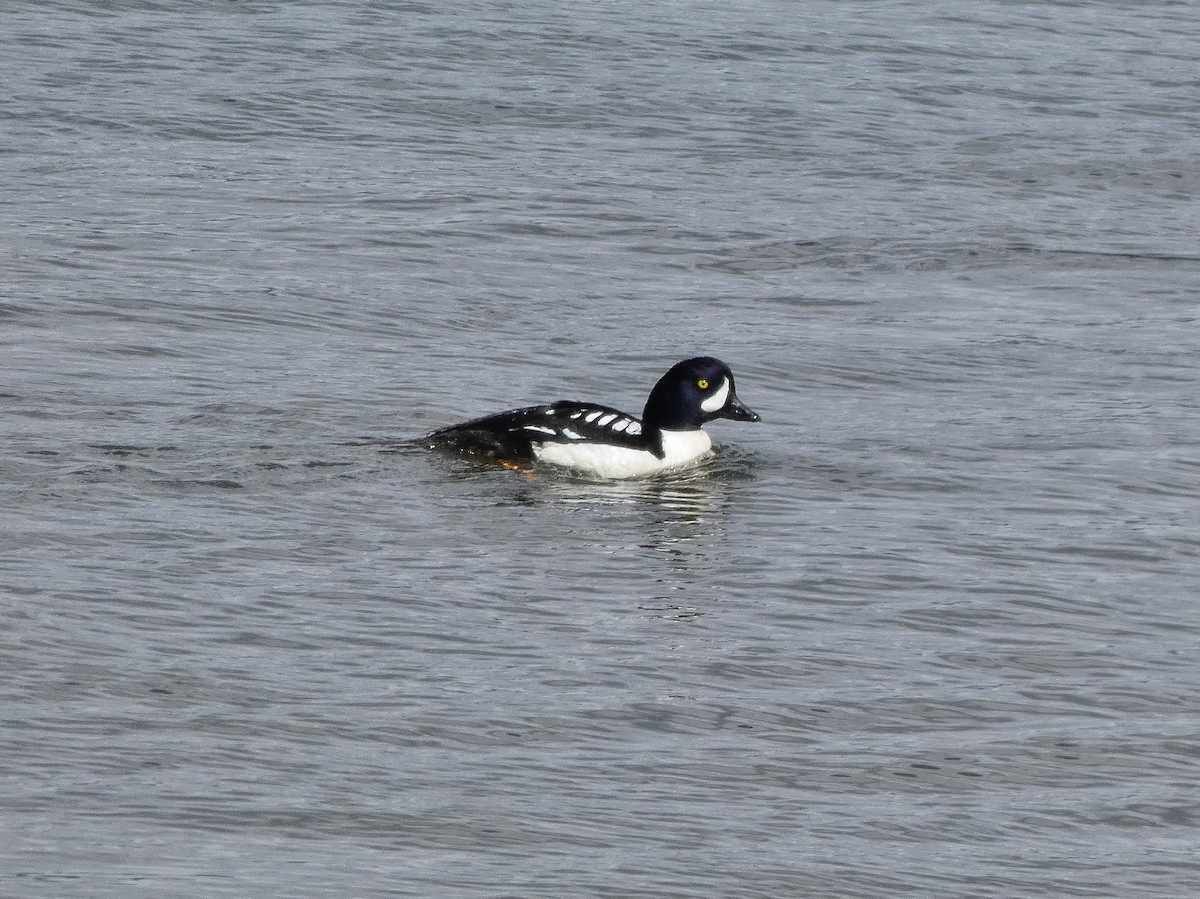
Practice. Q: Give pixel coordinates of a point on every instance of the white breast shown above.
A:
(606, 461)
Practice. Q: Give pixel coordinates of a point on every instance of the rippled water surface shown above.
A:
(929, 629)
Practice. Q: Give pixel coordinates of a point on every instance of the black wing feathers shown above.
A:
(513, 435)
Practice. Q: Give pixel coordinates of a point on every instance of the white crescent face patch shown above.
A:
(716, 402)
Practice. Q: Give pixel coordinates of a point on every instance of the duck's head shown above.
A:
(693, 392)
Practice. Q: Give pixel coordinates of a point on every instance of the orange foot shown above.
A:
(513, 466)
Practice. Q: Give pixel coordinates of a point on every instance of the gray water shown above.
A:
(929, 629)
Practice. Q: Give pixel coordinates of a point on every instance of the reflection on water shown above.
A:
(677, 510)
(665, 536)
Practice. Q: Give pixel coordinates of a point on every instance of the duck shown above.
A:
(603, 442)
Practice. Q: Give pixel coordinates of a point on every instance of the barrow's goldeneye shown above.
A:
(600, 440)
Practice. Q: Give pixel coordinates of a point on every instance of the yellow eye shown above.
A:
(702, 384)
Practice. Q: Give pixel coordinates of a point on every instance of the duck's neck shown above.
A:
(668, 409)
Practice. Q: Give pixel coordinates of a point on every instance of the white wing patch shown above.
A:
(571, 435)
(603, 422)
(540, 429)
(592, 416)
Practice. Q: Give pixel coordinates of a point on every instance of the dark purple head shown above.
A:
(692, 392)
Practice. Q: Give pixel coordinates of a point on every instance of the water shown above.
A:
(928, 629)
